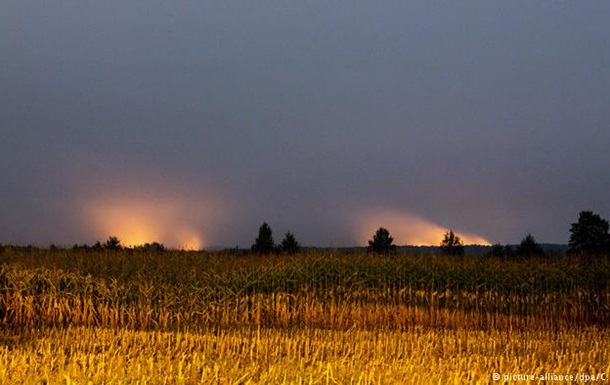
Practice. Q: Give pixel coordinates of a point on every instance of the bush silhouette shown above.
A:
(289, 244)
(382, 242)
(452, 244)
(589, 235)
(529, 247)
(264, 243)
(497, 250)
(155, 247)
(501, 251)
(113, 243)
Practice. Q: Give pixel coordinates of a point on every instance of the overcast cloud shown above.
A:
(192, 122)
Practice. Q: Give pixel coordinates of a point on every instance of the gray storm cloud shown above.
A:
(202, 120)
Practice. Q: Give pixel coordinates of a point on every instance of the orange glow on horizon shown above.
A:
(137, 221)
(408, 229)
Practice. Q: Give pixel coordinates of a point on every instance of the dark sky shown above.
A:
(192, 122)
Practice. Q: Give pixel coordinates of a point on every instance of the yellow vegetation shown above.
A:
(76, 317)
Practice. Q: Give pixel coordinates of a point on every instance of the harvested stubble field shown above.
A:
(101, 317)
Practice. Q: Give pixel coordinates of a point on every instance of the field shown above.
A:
(82, 316)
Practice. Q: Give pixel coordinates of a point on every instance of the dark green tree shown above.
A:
(289, 244)
(264, 243)
(529, 247)
(113, 243)
(497, 250)
(501, 251)
(382, 242)
(452, 244)
(589, 236)
(154, 247)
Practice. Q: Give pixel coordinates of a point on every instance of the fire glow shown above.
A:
(137, 221)
(408, 229)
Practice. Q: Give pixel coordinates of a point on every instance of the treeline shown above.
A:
(113, 243)
(589, 236)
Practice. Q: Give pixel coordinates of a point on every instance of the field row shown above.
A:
(324, 270)
(279, 310)
(52, 297)
(297, 356)
(160, 318)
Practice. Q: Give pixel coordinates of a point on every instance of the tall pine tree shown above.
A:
(264, 242)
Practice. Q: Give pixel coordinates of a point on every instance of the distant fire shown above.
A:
(408, 229)
(174, 221)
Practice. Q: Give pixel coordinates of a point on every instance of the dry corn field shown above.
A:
(101, 317)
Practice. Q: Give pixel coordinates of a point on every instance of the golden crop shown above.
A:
(298, 356)
(182, 317)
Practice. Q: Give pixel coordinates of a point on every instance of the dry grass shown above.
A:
(421, 355)
(117, 318)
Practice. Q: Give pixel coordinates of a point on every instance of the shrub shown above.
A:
(289, 244)
(264, 243)
(113, 243)
(382, 242)
(452, 244)
(529, 247)
(589, 235)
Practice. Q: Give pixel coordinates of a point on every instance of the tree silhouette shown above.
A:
(500, 251)
(264, 242)
(452, 244)
(289, 244)
(497, 250)
(382, 242)
(589, 235)
(113, 243)
(154, 247)
(529, 247)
